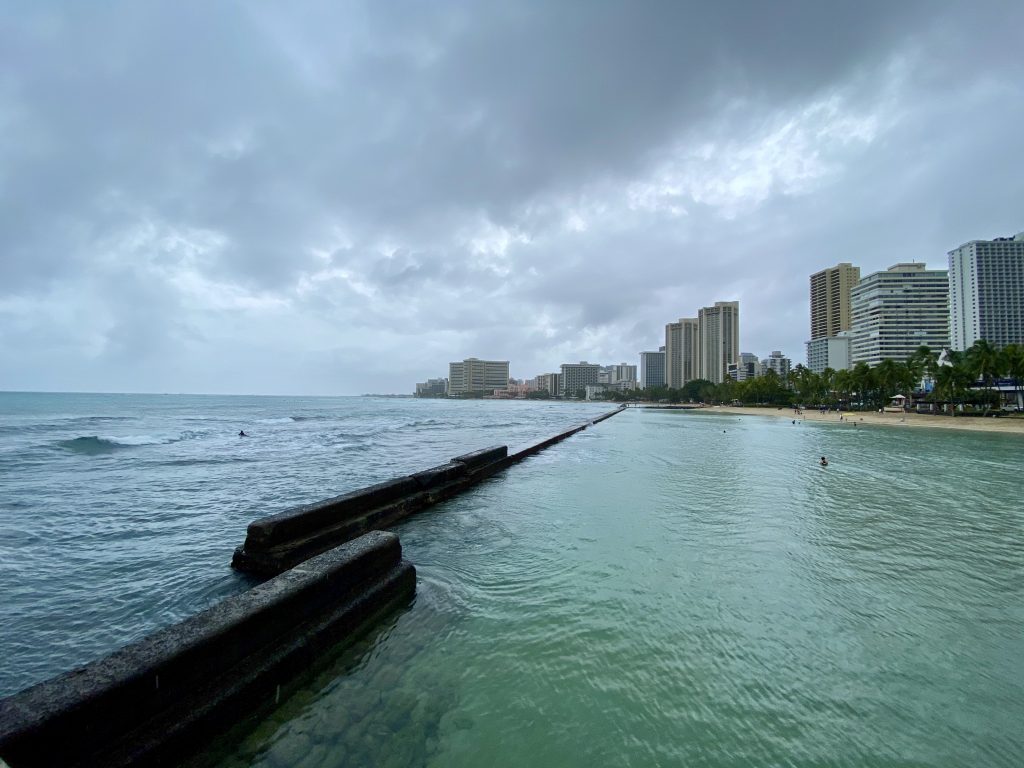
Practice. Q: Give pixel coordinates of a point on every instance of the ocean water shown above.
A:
(684, 589)
(664, 589)
(119, 513)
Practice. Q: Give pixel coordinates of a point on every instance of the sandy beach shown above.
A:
(1004, 424)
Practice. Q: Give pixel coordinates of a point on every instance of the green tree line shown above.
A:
(962, 378)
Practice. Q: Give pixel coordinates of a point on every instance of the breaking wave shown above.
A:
(93, 445)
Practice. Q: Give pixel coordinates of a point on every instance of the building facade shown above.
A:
(897, 311)
(718, 340)
(831, 308)
(778, 363)
(548, 382)
(986, 292)
(681, 352)
(747, 367)
(477, 376)
(432, 388)
(576, 376)
(652, 369)
(622, 375)
(829, 352)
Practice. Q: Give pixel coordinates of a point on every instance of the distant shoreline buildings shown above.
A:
(889, 314)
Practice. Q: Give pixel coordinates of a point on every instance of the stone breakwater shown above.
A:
(275, 543)
(153, 701)
(159, 700)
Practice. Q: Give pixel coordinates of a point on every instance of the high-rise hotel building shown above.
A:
(652, 369)
(897, 311)
(682, 359)
(473, 375)
(830, 299)
(831, 317)
(986, 292)
(577, 376)
(703, 347)
(719, 340)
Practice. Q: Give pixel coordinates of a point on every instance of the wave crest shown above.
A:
(93, 445)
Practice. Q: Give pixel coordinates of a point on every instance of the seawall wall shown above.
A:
(278, 542)
(157, 700)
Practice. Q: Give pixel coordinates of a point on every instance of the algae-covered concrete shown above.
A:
(278, 542)
(157, 700)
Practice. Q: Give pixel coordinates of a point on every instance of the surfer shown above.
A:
(241, 433)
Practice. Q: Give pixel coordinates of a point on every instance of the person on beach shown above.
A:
(824, 461)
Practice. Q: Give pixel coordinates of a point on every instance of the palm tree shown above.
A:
(985, 362)
(889, 378)
(953, 380)
(921, 364)
(827, 381)
(843, 383)
(1013, 365)
(864, 379)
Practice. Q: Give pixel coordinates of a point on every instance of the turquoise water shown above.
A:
(119, 513)
(680, 589)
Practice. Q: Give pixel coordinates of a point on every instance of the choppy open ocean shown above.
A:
(119, 513)
(663, 589)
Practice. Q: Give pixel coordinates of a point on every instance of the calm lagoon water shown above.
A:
(680, 589)
(664, 589)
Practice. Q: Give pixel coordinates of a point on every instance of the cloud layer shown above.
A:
(341, 198)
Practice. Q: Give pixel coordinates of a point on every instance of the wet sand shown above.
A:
(1004, 424)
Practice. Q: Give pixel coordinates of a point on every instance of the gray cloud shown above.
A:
(187, 187)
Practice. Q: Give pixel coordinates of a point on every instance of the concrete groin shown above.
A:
(157, 700)
(278, 542)
(161, 699)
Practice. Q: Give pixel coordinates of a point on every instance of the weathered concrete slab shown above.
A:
(311, 517)
(276, 543)
(482, 457)
(155, 701)
(435, 476)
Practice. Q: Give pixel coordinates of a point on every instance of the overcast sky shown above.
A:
(338, 198)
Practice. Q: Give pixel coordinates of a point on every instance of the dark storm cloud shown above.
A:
(427, 181)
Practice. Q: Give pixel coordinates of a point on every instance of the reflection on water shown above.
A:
(693, 589)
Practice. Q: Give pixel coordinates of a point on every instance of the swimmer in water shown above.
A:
(241, 433)
(824, 461)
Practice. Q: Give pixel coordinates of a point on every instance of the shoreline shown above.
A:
(1003, 425)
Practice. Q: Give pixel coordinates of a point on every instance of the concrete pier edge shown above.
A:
(280, 541)
(158, 700)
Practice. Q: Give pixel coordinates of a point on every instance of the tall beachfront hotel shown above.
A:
(719, 339)
(831, 317)
(577, 376)
(986, 292)
(652, 369)
(703, 347)
(473, 375)
(830, 299)
(682, 358)
(897, 311)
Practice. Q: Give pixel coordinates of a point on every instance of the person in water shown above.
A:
(241, 433)
(824, 461)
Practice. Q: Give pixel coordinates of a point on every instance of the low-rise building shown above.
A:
(432, 388)
(829, 352)
(748, 367)
(778, 363)
(548, 382)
